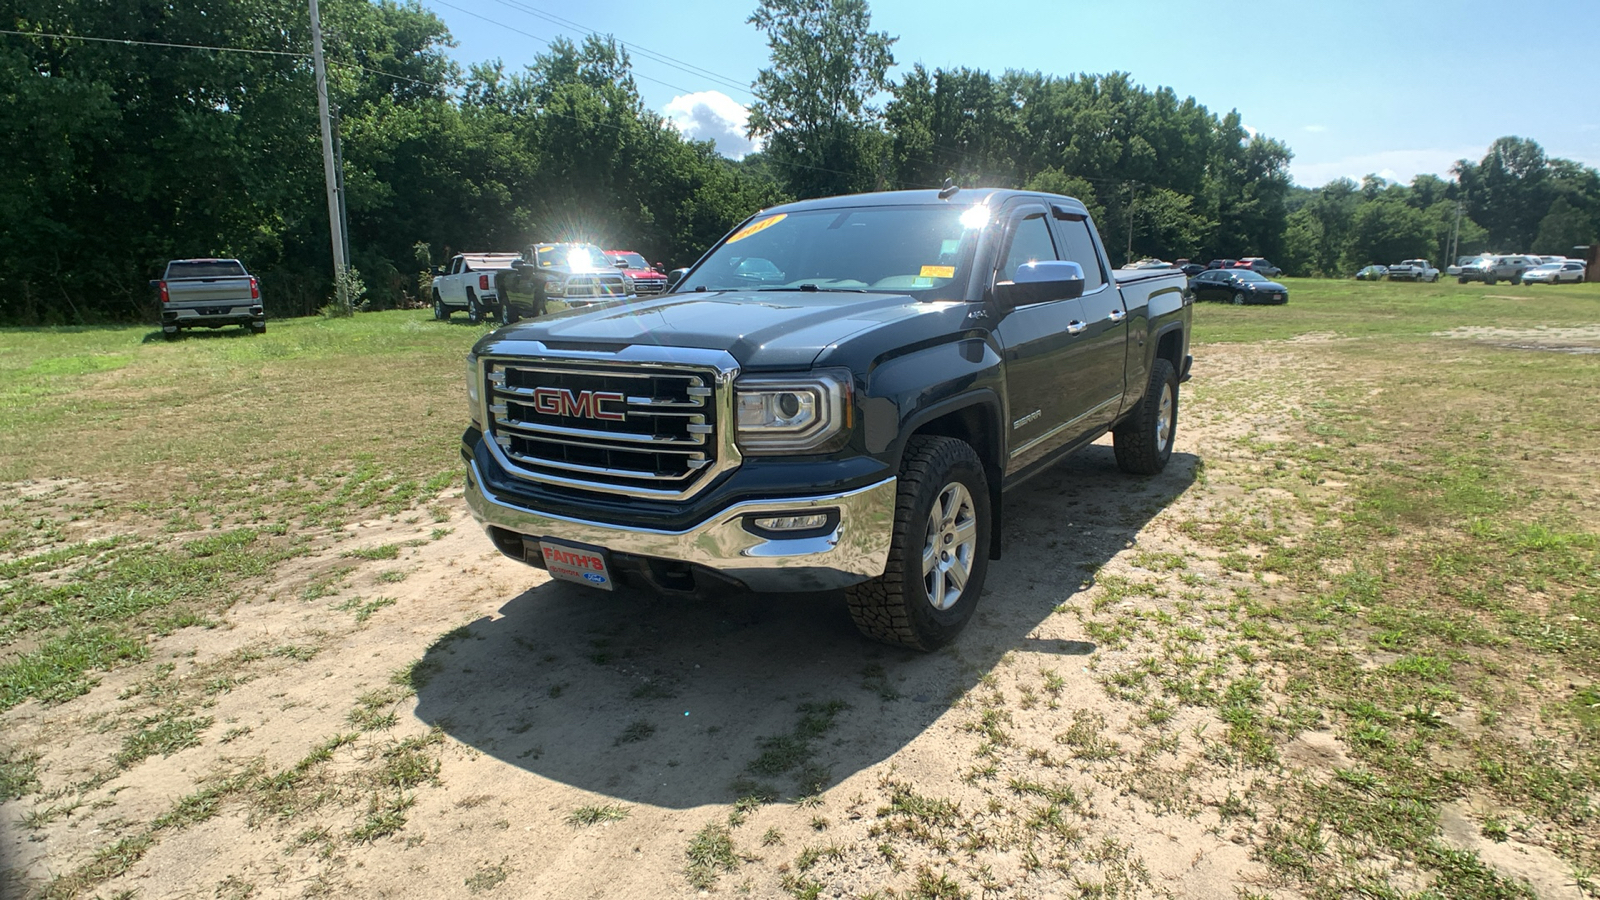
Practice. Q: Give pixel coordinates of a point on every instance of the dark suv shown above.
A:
(554, 277)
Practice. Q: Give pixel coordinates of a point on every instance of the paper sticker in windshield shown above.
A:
(754, 227)
(938, 272)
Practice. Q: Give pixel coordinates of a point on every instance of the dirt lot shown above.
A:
(397, 711)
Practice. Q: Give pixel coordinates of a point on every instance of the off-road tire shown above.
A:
(474, 309)
(258, 328)
(172, 335)
(441, 313)
(894, 607)
(1138, 441)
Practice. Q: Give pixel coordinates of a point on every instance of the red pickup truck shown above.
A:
(647, 280)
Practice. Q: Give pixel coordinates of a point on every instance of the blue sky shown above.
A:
(1352, 86)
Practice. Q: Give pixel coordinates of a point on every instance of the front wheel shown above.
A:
(1238, 298)
(508, 312)
(939, 552)
(1143, 443)
(441, 312)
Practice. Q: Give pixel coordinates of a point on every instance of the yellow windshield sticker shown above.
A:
(754, 227)
(938, 272)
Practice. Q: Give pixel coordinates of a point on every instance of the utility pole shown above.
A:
(1133, 196)
(1455, 237)
(330, 171)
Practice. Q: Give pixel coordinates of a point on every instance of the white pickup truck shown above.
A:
(209, 293)
(467, 284)
(1413, 270)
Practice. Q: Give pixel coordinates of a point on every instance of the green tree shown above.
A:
(813, 104)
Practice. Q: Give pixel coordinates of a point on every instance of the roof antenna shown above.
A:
(949, 189)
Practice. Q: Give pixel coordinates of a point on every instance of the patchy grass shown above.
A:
(585, 816)
(710, 855)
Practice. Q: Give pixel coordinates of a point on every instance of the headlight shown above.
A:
(555, 287)
(474, 391)
(791, 415)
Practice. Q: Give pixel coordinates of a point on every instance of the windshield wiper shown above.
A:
(813, 289)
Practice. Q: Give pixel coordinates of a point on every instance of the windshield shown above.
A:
(578, 257)
(1548, 267)
(204, 268)
(924, 250)
(634, 260)
(1247, 275)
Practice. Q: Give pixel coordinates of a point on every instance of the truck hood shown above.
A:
(760, 329)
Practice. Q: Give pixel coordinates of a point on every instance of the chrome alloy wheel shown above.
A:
(952, 540)
(1164, 418)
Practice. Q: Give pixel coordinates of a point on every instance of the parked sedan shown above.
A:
(1554, 273)
(1237, 286)
(1372, 273)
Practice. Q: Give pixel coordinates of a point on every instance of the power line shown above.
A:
(135, 43)
(638, 49)
(547, 41)
(437, 85)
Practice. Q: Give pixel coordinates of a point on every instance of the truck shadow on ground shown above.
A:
(224, 332)
(670, 701)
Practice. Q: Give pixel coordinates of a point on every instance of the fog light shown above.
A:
(792, 523)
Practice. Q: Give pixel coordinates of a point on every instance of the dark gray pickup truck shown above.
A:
(837, 395)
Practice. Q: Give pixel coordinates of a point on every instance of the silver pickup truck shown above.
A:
(209, 293)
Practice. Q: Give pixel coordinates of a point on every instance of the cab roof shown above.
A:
(961, 199)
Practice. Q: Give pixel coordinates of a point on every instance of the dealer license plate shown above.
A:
(577, 563)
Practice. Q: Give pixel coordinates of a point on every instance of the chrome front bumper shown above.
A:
(854, 550)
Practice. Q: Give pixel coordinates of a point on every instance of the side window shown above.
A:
(1080, 249)
(455, 266)
(1030, 242)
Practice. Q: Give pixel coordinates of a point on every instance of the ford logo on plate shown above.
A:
(594, 578)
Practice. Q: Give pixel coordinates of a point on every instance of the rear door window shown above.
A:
(1080, 249)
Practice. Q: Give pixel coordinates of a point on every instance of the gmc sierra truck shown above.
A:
(837, 395)
(209, 293)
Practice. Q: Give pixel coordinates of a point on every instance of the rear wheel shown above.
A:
(939, 553)
(474, 311)
(258, 327)
(1143, 443)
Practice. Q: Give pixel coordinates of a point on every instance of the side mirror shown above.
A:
(1037, 282)
(659, 266)
(438, 270)
(155, 282)
(675, 276)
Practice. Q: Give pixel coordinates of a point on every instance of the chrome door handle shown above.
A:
(1076, 327)
(1117, 315)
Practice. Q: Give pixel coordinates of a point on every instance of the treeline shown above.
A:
(121, 156)
(1514, 200)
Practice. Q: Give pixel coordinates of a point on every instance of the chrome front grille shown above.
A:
(594, 286)
(625, 428)
(649, 287)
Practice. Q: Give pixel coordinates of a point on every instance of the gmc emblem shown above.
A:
(551, 401)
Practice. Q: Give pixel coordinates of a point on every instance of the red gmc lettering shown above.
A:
(584, 405)
(575, 560)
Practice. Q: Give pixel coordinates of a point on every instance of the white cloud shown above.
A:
(1395, 165)
(1316, 129)
(712, 116)
(1252, 132)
